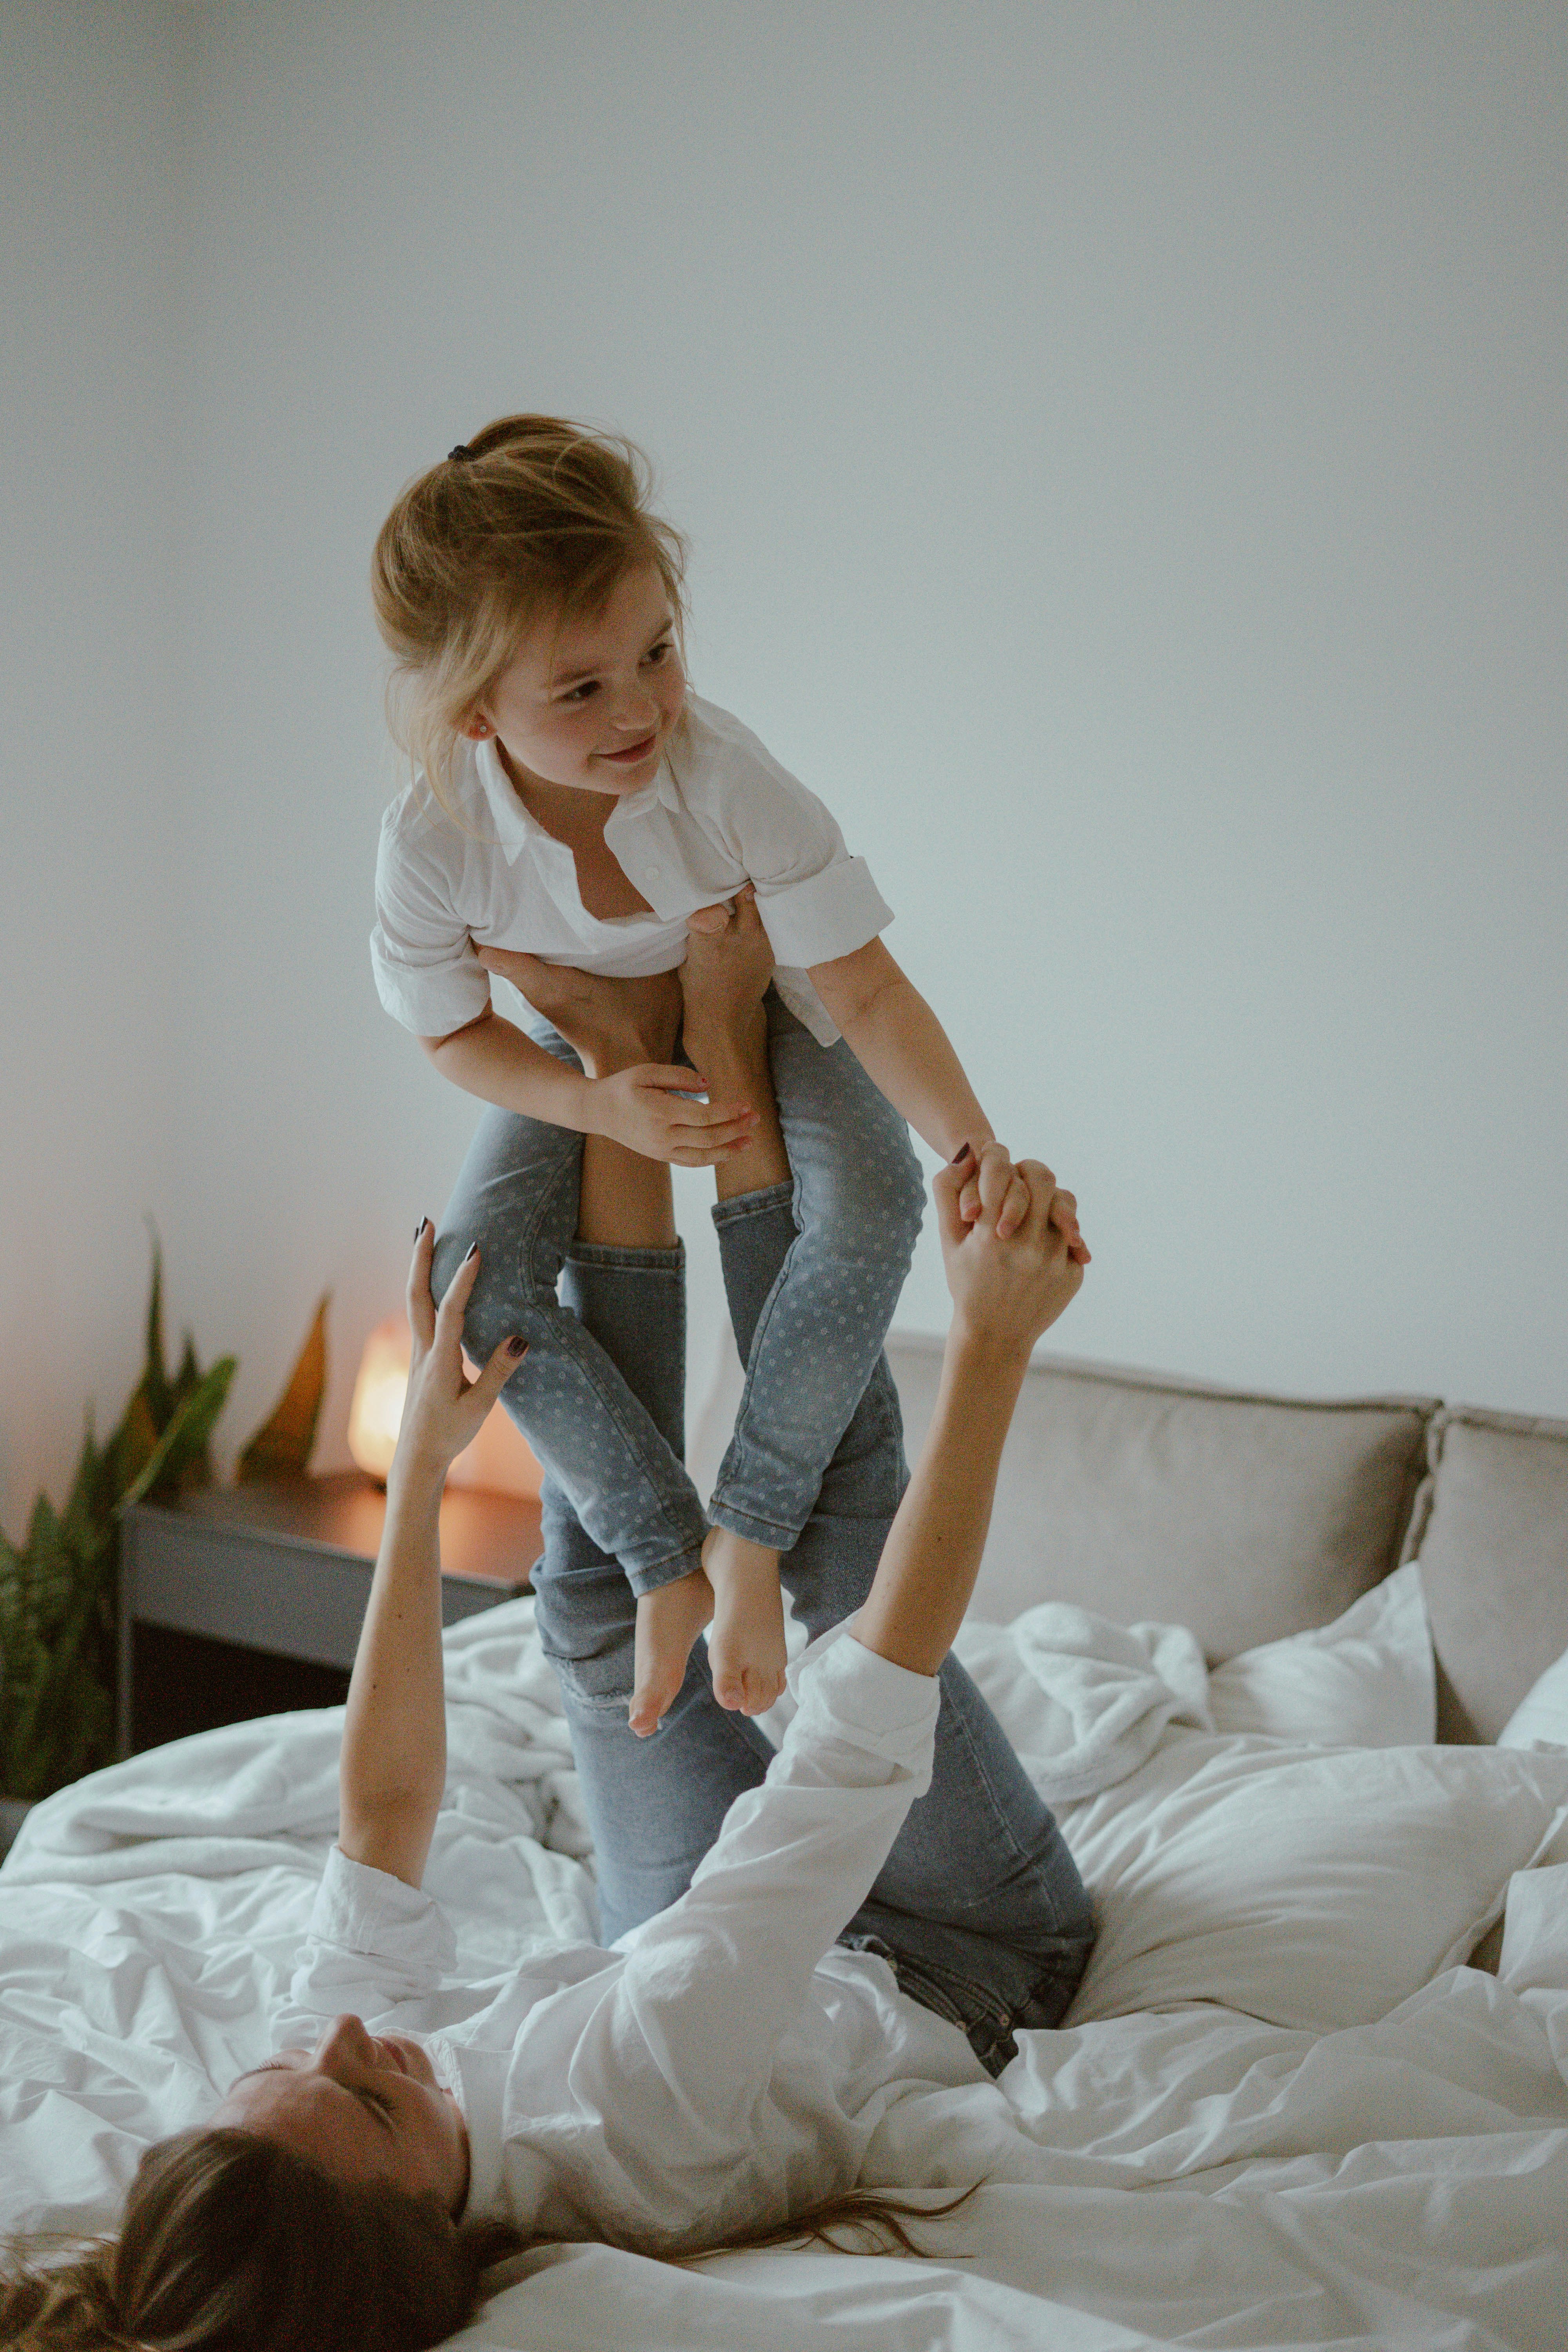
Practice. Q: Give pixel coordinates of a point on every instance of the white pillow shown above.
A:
(1365, 1681)
(1540, 1719)
(1314, 1889)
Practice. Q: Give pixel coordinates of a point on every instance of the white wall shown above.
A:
(1121, 447)
(92, 971)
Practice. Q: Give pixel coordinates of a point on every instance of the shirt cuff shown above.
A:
(431, 1002)
(851, 1693)
(363, 1910)
(826, 916)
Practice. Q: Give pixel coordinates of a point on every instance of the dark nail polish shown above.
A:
(517, 1345)
(961, 1155)
(472, 1251)
(420, 1227)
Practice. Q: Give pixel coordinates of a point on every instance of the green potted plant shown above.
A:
(58, 1587)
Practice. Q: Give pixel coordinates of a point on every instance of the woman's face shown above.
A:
(593, 709)
(366, 2108)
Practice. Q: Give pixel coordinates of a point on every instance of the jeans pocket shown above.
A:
(975, 2009)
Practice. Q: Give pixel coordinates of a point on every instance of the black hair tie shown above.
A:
(461, 456)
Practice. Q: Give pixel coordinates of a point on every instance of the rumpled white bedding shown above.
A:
(1186, 2174)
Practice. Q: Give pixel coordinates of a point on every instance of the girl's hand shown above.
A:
(1006, 1286)
(649, 1109)
(444, 1409)
(1063, 1209)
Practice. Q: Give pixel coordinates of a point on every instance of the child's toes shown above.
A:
(761, 1691)
(651, 1698)
(643, 1714)
(729, 1688)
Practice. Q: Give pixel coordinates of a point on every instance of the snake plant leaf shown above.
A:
(133, 1442)
(58, 1589)
(62, 1723)
(184, 1443)
(281, 1446)
(79, 1516)
(154, 1386)
(187, 1379)
(57, 1651)
(50, 1561)
(198, 1470)
(155, 1401)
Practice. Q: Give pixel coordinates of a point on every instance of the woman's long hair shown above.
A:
(232, 2243)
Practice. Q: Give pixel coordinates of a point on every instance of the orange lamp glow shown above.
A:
(375, 1415)
(499, 1458)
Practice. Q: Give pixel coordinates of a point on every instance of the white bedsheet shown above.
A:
(1191, 2176)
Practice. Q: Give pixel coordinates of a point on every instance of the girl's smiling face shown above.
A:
(364, 2108)
(595, 708)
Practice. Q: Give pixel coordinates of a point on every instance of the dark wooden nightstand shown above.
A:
(244, 1600)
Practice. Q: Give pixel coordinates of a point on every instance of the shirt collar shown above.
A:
(659, 792)
(514, 826)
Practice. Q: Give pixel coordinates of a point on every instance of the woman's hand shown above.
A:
(1010, 1271)
(1007, 1289)
(444, 1409)
(1063, 1209)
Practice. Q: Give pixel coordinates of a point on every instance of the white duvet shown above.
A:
(1282, 2110)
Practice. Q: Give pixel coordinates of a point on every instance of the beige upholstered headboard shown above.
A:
(1249, 1517)
(1490, 1530)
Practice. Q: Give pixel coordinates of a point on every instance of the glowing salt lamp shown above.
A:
(499, 1458)
(376, 1413)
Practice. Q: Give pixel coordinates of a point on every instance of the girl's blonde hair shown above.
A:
(534, 517)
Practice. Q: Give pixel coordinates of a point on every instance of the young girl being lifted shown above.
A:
(574, 806)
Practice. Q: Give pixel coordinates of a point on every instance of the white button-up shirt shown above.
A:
(720, 812)
(731, 2064)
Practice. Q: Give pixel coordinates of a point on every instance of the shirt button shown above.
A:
(651, 873)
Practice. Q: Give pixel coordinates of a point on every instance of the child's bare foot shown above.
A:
(668, 1621)
(729, 964)
(746, 1647)
(612, 1024)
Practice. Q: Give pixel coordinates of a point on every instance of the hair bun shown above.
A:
(461, 455)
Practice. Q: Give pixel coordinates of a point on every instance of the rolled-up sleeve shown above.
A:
(712, 1984)
(823, 916)
(371, 1945)
(816, 902)
(426, 973)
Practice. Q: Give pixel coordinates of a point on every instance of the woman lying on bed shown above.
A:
(715, 2082)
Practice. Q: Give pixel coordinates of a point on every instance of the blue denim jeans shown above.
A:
(979, 1909)
(858, 1197)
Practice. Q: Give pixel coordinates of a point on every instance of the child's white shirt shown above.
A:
(728, 2064)
(720, 812)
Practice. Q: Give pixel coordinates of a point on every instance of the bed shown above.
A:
(1292, 1676)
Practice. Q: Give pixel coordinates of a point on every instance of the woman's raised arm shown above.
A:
(1006, 1291)
(394, 1764)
